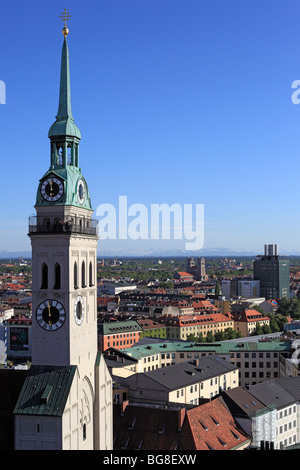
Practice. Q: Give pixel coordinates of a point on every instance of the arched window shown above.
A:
(44, 284)
(59, 150)
(69, 155)
(84, 431)
(75, 276)
(91, 274)
(57, 276)
(83, 284)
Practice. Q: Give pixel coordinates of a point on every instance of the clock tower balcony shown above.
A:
(58, 226)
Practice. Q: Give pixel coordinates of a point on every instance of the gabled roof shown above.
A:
(213, 428)
(119, 327)
(250, 315)
(278, 392)
(188, 373)
(149, 428)
(45, 391)
(241, 402)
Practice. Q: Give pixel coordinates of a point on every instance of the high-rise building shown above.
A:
(273, 272)
(234, 288)
(66, 400)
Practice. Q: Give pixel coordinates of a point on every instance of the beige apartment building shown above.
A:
(181, 327)
(185, 383)
(256, 361)
(245, 322)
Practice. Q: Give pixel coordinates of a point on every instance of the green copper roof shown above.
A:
(45, 391)
(224, 347)
(119, 327)
(64, 124)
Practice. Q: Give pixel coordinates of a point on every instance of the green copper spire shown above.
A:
(64, 109)
(63, 184)
(64, 124)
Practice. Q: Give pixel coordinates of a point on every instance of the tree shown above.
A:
(210, 337)
(266, 329)
(257, 331)
(217, 289)
(220, 336)
(192, 338)
(289, 307)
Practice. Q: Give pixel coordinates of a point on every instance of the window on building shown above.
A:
(44, 284)
(83, 284)
(57, 276)
(75, 276)
(91, 274)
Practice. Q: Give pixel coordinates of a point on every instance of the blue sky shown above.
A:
(178, 101)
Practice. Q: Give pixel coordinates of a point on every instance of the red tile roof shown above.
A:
(205, 427)
(213, 428)
(250, 315)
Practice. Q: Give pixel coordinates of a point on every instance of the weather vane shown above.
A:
(65, 17)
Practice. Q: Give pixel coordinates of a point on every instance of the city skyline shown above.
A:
(177, 104)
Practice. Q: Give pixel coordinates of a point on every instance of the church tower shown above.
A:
(64, 300)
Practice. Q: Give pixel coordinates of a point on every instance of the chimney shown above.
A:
(181, 415)
(123, 406)
(196, 362)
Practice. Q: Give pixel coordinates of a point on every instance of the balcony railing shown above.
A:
(46, 226)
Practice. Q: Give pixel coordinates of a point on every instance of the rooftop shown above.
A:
(222, 348)
(188, 373)
(45, 391)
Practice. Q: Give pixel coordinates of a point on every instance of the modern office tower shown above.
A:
(273, 272)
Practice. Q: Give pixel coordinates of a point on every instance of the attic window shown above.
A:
(162, 430)
(222, 442)
(235, 435)
(124, 446)
(140, 445)
(204, 426)
(215, 421)
(209, 446)
(131, 426)
(46, 394)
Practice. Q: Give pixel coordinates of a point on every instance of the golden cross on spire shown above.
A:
(65, 17)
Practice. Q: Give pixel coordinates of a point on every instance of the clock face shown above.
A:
(50, 315)
(80, 191)
(52, 189)
(79, 310)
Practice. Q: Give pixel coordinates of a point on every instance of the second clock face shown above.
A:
(80, 191)
(50, 315)
(79, 310)
(52, 189)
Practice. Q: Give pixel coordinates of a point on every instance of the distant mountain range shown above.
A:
(213, 252)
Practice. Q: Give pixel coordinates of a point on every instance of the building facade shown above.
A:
(257, 361)
(184, 326)
(185, 383)
(119, 335)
